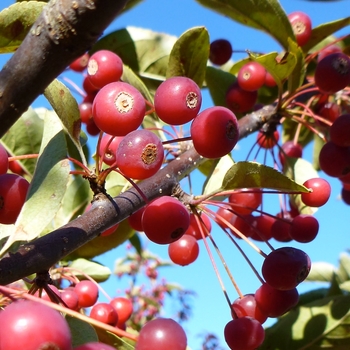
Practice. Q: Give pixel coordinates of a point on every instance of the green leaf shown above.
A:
(267, 16)
(143, 50)
(24, 137)
(82, 332)
(323, 323)
(15, 23)
(82, 267)
(218, 82)
(47, 187)
(189, 55)
(324, 30)
(218, 174)
(255, 175)
(66, 107)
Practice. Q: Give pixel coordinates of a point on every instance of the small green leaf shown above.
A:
(323, 31)
(189, 55)
(24, 137)
(218, 82)
(267, 16)
(66, 107)
(15, 23)
(218, 174)
(255, 175)
(81, 331)
(47, 187)
(98, 272)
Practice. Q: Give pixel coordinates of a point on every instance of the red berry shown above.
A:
(214, 132)
(105, 313)
(124, 309)
(239, 100)
(118, 108)
(140, 154)
(245, 333)
(302, 27)
(104, 67)
(220, 51)
(284, 268)
(31, 325)
(13, 192)
(274, 302)
(80, 63)
(162, 333)
(304, 228)
(184, 251)
(87, 293)
(177, 100)
(333, 73)
(251, 76)
(321, 191)
(165, 220)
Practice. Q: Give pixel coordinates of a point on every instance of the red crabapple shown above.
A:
(118, 108)
(177, 100)
(140, 154)
(214, 132)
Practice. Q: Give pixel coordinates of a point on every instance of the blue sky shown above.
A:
(210, 311)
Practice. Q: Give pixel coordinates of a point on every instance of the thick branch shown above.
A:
(64, 31)
(44, 252)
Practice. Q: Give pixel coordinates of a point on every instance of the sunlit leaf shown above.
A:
(15, 23)
(24, 137)
(324, 30)
(218, 82)
(83, 267)
(190, 54)
(323, 323)
(267, 16)
(255, 175)
(47, 187)
(81, 331)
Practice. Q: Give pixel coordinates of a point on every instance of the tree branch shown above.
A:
(44, 252)
(64, 31)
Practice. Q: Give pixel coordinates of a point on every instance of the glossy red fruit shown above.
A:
(104, 67)
(251, 76)
(336, 66)
(274, 302)
(94, 346)
(105, 313)
(334, 160)
(340, 130)
(214, 132)
(108, 148)
(124, 308)
(302, 26)
(13, 192)
(290, 150)
(184, 251)
(140, 154)
(268, 140)
(30, 325)
(87, 293)
(245, 333)
(80, 63)
(194, 229)
(304, 228)
(284, 268)
(246, 306)
(220, 51)
(239, 100)
(321, 191)
(162, 333)
(177, 100)
(118, 108)
(165, 220)
(245, 201)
